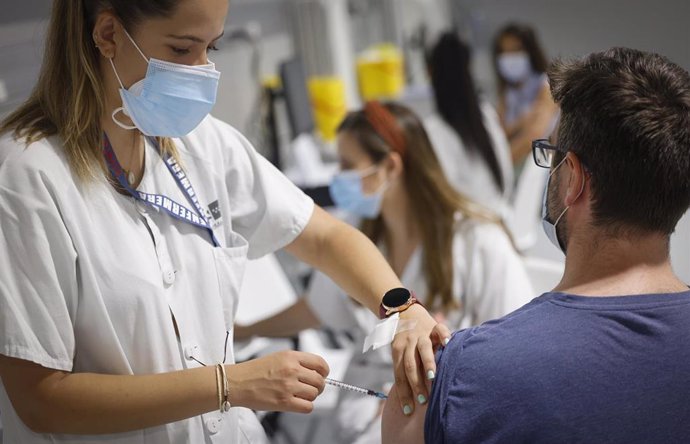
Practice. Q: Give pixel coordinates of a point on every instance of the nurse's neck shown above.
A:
(128, 145)
(400, 223)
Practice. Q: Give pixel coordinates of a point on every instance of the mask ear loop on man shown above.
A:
(555, 224)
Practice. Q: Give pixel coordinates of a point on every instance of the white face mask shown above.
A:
(514, 67)
(548, 226)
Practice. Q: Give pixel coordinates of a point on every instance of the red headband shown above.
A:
(386, 125)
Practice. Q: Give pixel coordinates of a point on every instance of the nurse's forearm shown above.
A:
(51, 401)
(347, 256)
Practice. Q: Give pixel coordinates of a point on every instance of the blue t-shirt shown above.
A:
(568, 369)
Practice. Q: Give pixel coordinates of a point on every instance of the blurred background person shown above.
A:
(465, 130)
(451, 252)
(525, 106)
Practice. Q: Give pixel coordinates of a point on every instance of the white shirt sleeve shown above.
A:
(266, 208)
(497, 283)
(38, 284)
(331, 305)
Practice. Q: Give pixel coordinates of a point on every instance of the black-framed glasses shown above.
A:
(543, 152)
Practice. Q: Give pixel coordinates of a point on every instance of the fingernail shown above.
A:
(407, 410)
(446, 341)
(430, 375)
(421, 399)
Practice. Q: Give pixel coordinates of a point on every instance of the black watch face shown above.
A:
(396, 297)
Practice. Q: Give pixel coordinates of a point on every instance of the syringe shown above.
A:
(354, 388)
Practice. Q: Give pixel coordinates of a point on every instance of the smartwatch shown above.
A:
(396, 300)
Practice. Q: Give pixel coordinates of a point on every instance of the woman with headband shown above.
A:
(454, 255)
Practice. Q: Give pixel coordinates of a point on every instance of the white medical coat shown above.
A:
(489, 278)
(89, 278)
(467, 171)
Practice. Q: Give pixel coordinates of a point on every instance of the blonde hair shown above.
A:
(67, 100)
(430, 194)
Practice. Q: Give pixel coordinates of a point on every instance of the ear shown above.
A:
(107, 33)
(576, 181)
(394, 165)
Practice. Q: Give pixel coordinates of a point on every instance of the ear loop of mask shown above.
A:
(121, 108)
(555, 224)
(371, 170)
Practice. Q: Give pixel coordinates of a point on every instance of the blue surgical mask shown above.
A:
(171, 100)
(514, 66)
(347, 193)
(548, 226)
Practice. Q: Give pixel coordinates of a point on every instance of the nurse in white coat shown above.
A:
(465, 130)
(126, 217)
(453, 254)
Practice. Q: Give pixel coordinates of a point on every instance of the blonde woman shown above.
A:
(126, 217)
(454, 254)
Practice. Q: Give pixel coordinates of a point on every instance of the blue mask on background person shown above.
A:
(514, 66)
(171, 100)
(548, 226)
(347, 193)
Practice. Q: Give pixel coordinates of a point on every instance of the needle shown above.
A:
(354, 388)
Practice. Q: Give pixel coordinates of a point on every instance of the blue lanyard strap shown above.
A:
(160, 201)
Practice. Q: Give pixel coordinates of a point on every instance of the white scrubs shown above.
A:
(90, 279)
(467, 170)
(489, 278)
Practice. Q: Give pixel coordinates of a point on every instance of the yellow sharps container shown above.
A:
(327, 95)
(380, 72)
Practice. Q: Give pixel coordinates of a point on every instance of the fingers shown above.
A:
(440, 335)
(426, 355)
(306, 392)
(314, 362)
(414, 371)
(405, 396)
(313, 379)
(299, 405)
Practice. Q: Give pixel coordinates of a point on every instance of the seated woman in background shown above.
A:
(525, 106)
(451, 252)
(465, 131)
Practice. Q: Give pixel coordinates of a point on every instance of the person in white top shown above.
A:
(126, 217)
(452, 253)
(525, 105)
(465, 131)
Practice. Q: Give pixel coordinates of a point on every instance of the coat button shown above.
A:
(169, 277)
(191, 351)
(213, 425)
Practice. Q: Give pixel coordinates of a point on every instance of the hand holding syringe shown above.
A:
(356, 389)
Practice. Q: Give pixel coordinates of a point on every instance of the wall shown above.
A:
(569, 28)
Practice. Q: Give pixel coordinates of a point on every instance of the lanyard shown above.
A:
(160, 201)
